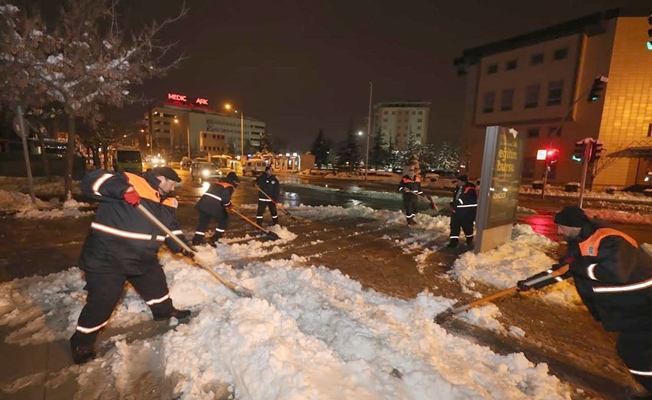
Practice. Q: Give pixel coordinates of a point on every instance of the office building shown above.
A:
(179, 121)
(538, 83)
(398, 122)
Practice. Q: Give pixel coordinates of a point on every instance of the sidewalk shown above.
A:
(358, 248)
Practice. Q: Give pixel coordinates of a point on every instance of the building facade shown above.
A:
(179, 123)
(398, 122)
(538, 84)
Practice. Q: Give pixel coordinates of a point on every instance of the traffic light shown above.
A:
(552, 156)
(597, 88)
(596, 149)
(578, 153)
(649, 32)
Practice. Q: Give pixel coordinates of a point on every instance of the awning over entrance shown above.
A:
(633, 152)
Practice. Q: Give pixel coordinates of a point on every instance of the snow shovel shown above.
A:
(286, 212)
(269, 233)
(428, 199)
(444, 316)
(240, 291)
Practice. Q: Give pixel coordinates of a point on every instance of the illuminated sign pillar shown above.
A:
(502, 165)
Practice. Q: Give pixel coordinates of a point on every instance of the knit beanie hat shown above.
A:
(463, 178)
(232, 178)
(572, 216)
(168, 173)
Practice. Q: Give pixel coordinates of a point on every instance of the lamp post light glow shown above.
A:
(228, 107)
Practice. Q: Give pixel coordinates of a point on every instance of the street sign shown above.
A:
(541, 154)
(502, 164)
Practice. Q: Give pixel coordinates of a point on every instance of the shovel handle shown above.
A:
(244, 217)
(452, 311)
(198, 260)
(286, 212)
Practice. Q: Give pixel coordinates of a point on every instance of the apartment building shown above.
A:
(178, 122)
(398, 122)
(538, 83)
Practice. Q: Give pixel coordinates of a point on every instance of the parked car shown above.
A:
(153, 161)
(254, 167)
(185, 163)
(204, 171)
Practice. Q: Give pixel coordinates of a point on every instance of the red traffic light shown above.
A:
(552, 154)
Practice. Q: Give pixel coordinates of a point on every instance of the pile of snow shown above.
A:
(309, 332)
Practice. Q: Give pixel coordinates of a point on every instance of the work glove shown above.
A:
(522, 286)
(131, 196)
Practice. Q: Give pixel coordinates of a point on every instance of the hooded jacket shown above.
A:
(121, 239)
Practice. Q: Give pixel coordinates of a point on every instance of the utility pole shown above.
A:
(241, 136)
(366, 160)
(586, 159)
(188, 134)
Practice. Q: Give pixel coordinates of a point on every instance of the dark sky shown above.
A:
(305, 65)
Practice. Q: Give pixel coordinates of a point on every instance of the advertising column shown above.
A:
(500, 181)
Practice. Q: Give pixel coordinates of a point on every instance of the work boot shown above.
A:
(452, 243)
(469, 241)
(82, 354)
(196, 240)
(178, 314)
(274, 221)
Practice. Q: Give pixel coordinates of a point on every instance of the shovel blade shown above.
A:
(443, 316)
(244, 292)
(273, 236)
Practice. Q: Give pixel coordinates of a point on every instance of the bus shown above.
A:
(127, 159)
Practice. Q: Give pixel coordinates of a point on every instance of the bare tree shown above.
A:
(82, 60)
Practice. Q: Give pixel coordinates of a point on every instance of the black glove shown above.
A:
(522, 286)
(555, 267)
(189, 254)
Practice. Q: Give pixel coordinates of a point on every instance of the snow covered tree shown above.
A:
(377, 153)
(82, 59)
(321, 148)
(349, 153)
(266, 144)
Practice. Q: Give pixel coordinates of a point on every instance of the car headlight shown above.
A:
(206, 172)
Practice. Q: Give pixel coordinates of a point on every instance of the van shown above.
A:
(127, 160)
(254, 167)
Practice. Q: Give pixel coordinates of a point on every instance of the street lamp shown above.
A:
(228, 107)
(366, 159)
(176, 121)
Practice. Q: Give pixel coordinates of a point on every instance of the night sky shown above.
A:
(305, 65)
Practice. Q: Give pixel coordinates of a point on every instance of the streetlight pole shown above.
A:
(188, 134)
(241, 136)
(366, 161)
